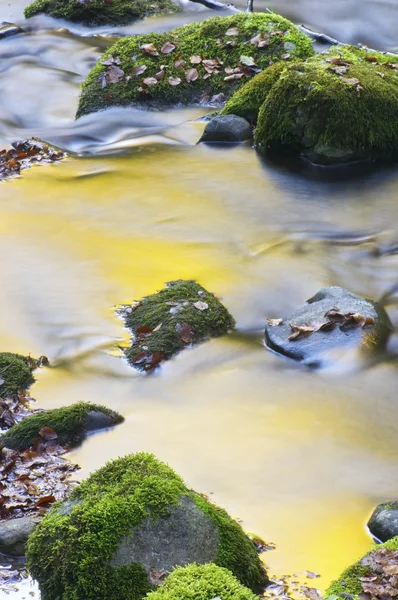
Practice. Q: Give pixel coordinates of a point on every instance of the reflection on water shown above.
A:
(300, 457)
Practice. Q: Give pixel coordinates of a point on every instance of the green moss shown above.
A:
(15, 373)
(68, 422)
(69, 553)
(348, 582)
(100, 12)
(201, 582)
(329, 116)
(175, 322)
(208, 40)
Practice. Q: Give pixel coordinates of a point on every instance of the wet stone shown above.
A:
(9, 29)
(331, 322)
(227, 129)
(14, 534)
(383, 524)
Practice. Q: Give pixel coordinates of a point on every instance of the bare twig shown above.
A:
(323, 38)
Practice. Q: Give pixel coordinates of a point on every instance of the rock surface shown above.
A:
(8, 29)
(14, 534)
(383, 524)
(226, 128)
(315, 345)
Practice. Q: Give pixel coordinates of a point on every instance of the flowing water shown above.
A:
(300, 457)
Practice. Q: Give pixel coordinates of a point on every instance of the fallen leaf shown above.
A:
(218, 98)
(45, 500)
(232, 31)
(154, 359)
(300, 331)
(277, 33)
(191, 75)
(158, 327)
(371, 59)
(150, 49)
(334, 314)
(159, 76)
(174, 80)
(113, 74)
(144, 329)
(179, 64)
(195, 60)
(311, 574)
(201, 305)
(156, 576)
(167, 48)
(285, 55)
(234, 76)
(48, 434)
(274, 322)
(185, 332)
(248, 61)
(138, 70)
(339, 70)
(149, 81)
(350, 80)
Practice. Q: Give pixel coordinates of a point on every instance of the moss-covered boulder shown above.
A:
(125, 527)
(66, 426)
(201, 62)
(370, 574)
(101, 12)
(331, 109)
(15, 373)
(180, 315)
(383, 524)
(201, 582)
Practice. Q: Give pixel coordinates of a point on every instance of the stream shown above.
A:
(299, 457)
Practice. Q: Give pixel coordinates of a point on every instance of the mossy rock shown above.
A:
(332, 110)
(190, 64)
(71, 424)
(126, 524)
(383, 524)
(181, 314)
(201, 582)
(349, 582)
(15, 373)
(100, 12)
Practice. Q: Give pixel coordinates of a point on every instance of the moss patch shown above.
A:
(70, 424)
(201, 582)
(70, 552)
(348, 582)
(181, 314)
(101, 12)
(333, 109)
(142, 74)
(15, 373)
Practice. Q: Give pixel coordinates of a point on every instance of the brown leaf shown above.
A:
(338, 61)
(277, 33)
(350, 80)
(311, 574)
(232, 31)
(274, 322)
(342, 70)
(45, 500)
(185, 332)
(48, 434)
(167, 48)
(174, 80)
(158, 327)
(256, 39)
(234, 76)
(334, 314)
(156, 576)
(300, 331)
(248, 61)
(218, 98)
(149, 81)
(144, 329)
(113, 74)
(179, 64)
(285, 55)
(159, 76)
(263, 43)
(150, 49)
(154, 359)
(138, 70)
(191, 75)
(195, 60)
(371, 59)
(201, 305)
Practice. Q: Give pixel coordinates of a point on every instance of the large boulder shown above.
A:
(101, 12)
(67, 426)
(200, 62)
(334, 320)
(332, 110)
(383, 524)
(14, 534)
(201, 582)
(15, 373)
(180, 315)
(125, 527)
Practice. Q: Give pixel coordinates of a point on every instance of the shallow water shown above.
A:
(300, 457)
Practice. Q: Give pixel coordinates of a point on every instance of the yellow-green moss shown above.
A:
(330, 117)
(175, 322)
(201, 582)
(348, 582)
(100, 12)
(69, 423)
(70, 551)
(210, 40)
(15, 373)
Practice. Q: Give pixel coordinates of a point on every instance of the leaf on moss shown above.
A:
(48, 434)
(150, 49)
(156, 576)
(195, 60)
(371, 59)
(234, 76)
(342, 70)
(248, 61)
(350, 80)
(285, 55)
(159, 75)
(138, 70)
(232, 31)
(174, 80)
(179, 64)
(191, 75)
(218, 97)
(185, 332)
(167, 48)
(149, 81)
(201, 305)
(277, 33)
(144, 330)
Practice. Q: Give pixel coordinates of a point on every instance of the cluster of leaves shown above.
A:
(181, 314)
(381, 581)
(341, 67)
(286, 587)
(334, 318)
(24, 154)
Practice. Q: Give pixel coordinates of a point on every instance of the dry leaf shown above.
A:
(350, 80)
(174, 80)
(274, 322)
(232, 31)
(138, 70)
(300, 331)
(248, 61)
(167, 48)
(144, 330)
(48, 434)
(179, 64)
(185, 332)
(234, 76)
(150, 49)
(191, 75)
(149, 81)
(195, 60)
(201, 305)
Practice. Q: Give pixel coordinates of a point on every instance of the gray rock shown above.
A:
(8, 29)
(96, 419)
(187, 535)
(383, 524)
(227, 129)
(317, 348)
(14, 534)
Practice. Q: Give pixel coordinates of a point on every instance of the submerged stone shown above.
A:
(15, 373)
(226, 129)
(180, 315)
(101, 12)
(199, 582)
(14, 534)
(383, 524)
(70, 424)
(9, 29)
(332, 110)
(330, 322)
(126, 526)
(196, 63)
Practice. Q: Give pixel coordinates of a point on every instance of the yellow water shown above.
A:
(300, 457)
